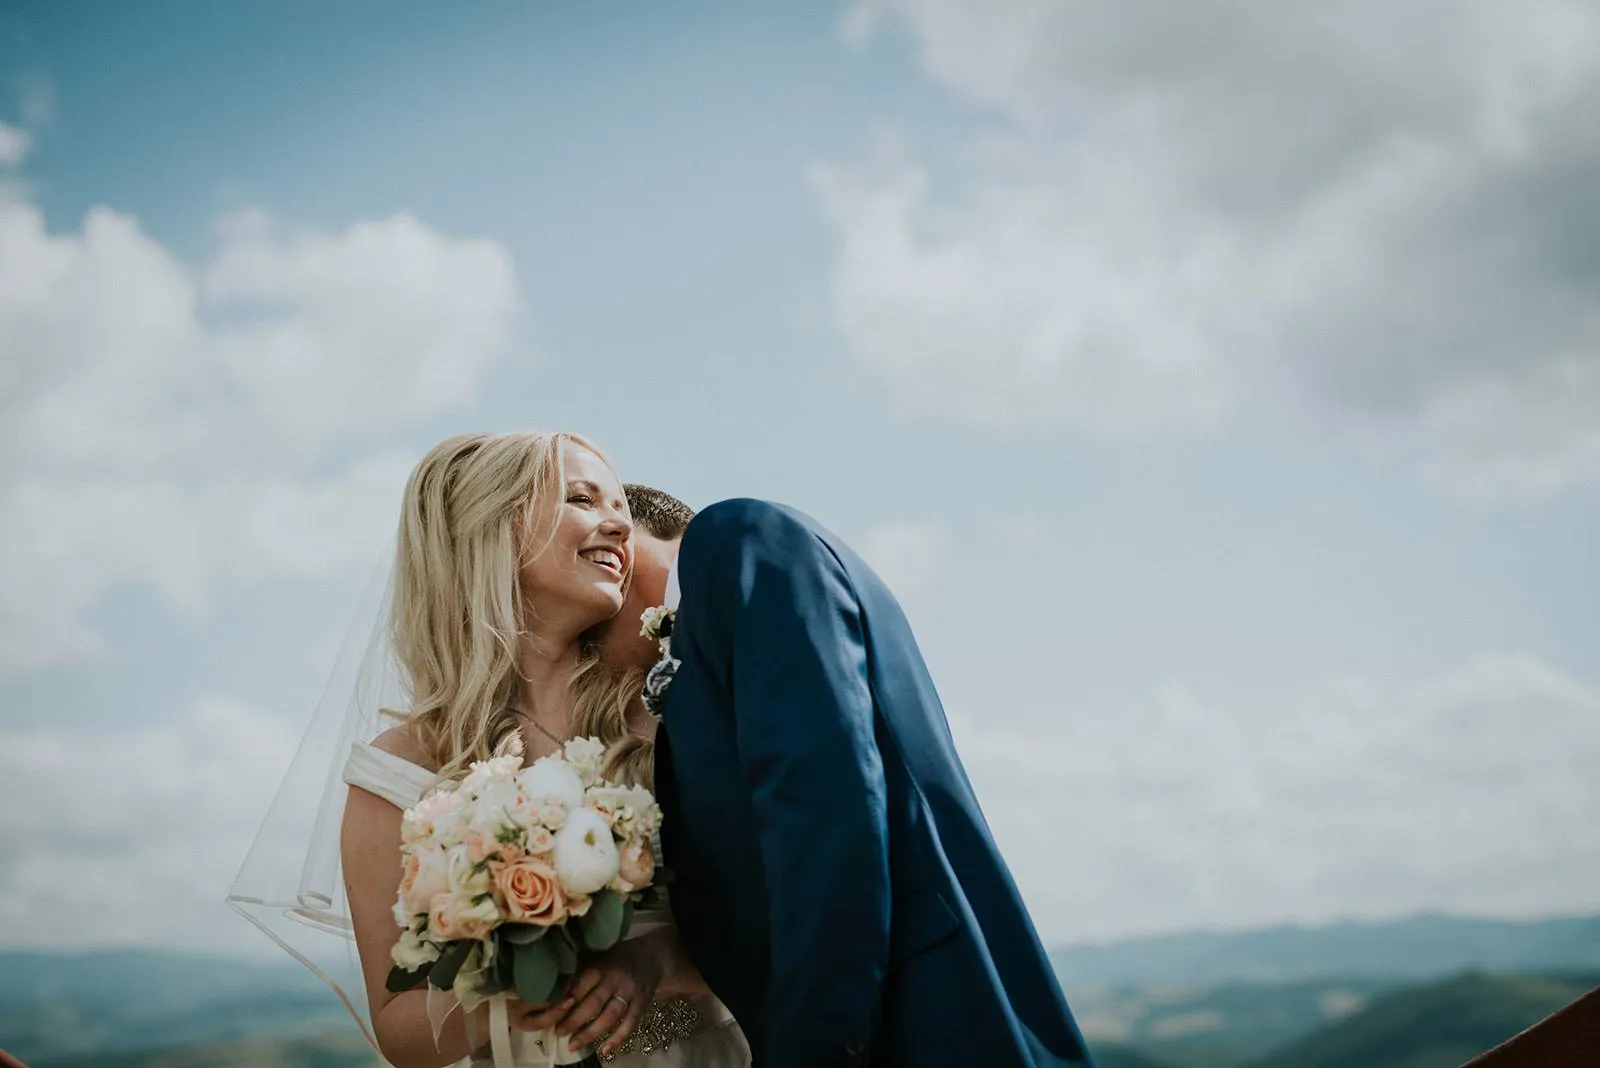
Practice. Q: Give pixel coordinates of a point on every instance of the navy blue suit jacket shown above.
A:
(835, 882)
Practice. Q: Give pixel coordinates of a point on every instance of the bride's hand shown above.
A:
(609, 993)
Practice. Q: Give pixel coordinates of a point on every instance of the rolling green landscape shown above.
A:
(1422, 993)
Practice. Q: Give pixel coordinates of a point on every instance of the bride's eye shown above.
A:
(580, 498)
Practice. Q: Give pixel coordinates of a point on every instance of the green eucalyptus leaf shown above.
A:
(400, 980)
(602, 927)
(492, 983)
(520, 934)
(566, 953)
(505, 958)
(451, 958)
(536, 970)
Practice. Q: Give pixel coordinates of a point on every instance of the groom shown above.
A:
(836, 883)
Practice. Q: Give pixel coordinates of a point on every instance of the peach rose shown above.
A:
(531, 890)
(637, 865)
(540, 840)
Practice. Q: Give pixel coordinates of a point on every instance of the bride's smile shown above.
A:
(577, 547)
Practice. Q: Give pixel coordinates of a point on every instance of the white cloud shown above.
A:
(1177, 212)
(1471, 793)
(131, 835)
(992, 312)
(1519, 437)
(906, 555)
(14, 145)
(184, 428)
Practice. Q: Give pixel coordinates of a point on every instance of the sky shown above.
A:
(1217, 386)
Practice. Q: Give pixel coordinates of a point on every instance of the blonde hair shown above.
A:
(458, 612)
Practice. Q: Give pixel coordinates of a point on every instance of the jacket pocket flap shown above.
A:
(921, 920)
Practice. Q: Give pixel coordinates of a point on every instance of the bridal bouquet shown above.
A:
(510, 872)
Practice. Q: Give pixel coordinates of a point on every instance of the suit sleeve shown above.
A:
(773, 613)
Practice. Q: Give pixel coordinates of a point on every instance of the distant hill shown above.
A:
(1320, 997)
(1438, 1025)
(54, 1007)
(162, 978)
(1117, 1055)
(1418, 948)
(1433, 1025)
(1227, 1024)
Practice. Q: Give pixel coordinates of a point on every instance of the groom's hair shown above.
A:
(656, 512)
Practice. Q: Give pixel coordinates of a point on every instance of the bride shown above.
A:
(511, 549)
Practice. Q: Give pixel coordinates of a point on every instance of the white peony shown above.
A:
(551, 780)
(585, 855)
(586, 756)
(411, 952)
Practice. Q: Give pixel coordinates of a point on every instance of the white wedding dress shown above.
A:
(713, 1039)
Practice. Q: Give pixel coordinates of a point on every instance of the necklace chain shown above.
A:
(536, 725)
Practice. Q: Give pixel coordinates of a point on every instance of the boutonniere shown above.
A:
(657, 626)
